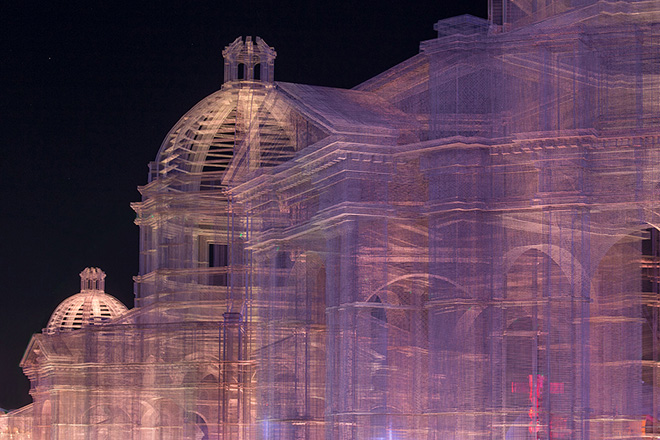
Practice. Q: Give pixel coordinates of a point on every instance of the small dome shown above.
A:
(92, 306)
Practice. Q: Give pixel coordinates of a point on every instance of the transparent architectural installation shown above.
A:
(466, 246)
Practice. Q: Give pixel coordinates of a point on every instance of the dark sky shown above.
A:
(88, 91)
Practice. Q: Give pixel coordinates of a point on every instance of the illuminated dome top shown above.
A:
(92, 306)
(254, 123)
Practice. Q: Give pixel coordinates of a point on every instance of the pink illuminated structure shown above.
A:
(464, 247)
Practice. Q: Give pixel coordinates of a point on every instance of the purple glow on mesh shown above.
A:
(463, 246)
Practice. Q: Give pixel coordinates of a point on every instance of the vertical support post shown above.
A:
(233, 377)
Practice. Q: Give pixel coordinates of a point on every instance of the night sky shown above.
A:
(89, 90)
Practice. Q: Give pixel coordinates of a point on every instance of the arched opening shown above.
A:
(292, 367)
(106, 422)
(539, 354)
(45, 421)
(392, 342)
(195, 427)
(240, 71)
(377, 334)
(624, 335)
(162, 419)
(650, 272)
(208, 389)
(257, 72)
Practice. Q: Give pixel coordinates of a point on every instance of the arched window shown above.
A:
(240, 71)
(44, 425)
(257, 72)
(378, 338)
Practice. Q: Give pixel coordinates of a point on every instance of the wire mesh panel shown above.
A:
(464, 246)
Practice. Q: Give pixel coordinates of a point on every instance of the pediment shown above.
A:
(44, 349)
(34, 353)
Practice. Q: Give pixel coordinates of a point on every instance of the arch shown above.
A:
(208, 388)
(196, 426)
(394, 320)
(148, 422)
(559, 256)
(421, 275)
(210, 378)
(162, 415)
(400, 297)
(256, 74)
(240, 71)
(45, 422)
(624, 326)
(208, 358)
(148, 415)
(106, 422)
(540, 337)
(105, 414)
(627, 235)
(385, 409)
(622, 233)
(466, 321)
(401, 305)
(392, 309)
(46, 410)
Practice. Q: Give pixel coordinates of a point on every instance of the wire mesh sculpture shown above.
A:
(465, 246)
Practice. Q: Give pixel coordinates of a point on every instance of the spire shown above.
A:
(92, 278)
(245, 60)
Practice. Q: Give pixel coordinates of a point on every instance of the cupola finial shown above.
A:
(248, 60)
(92, 278)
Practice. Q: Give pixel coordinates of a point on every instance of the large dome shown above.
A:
(92, 306)
(207, 138)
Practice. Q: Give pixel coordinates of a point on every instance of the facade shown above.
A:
(465, 246)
